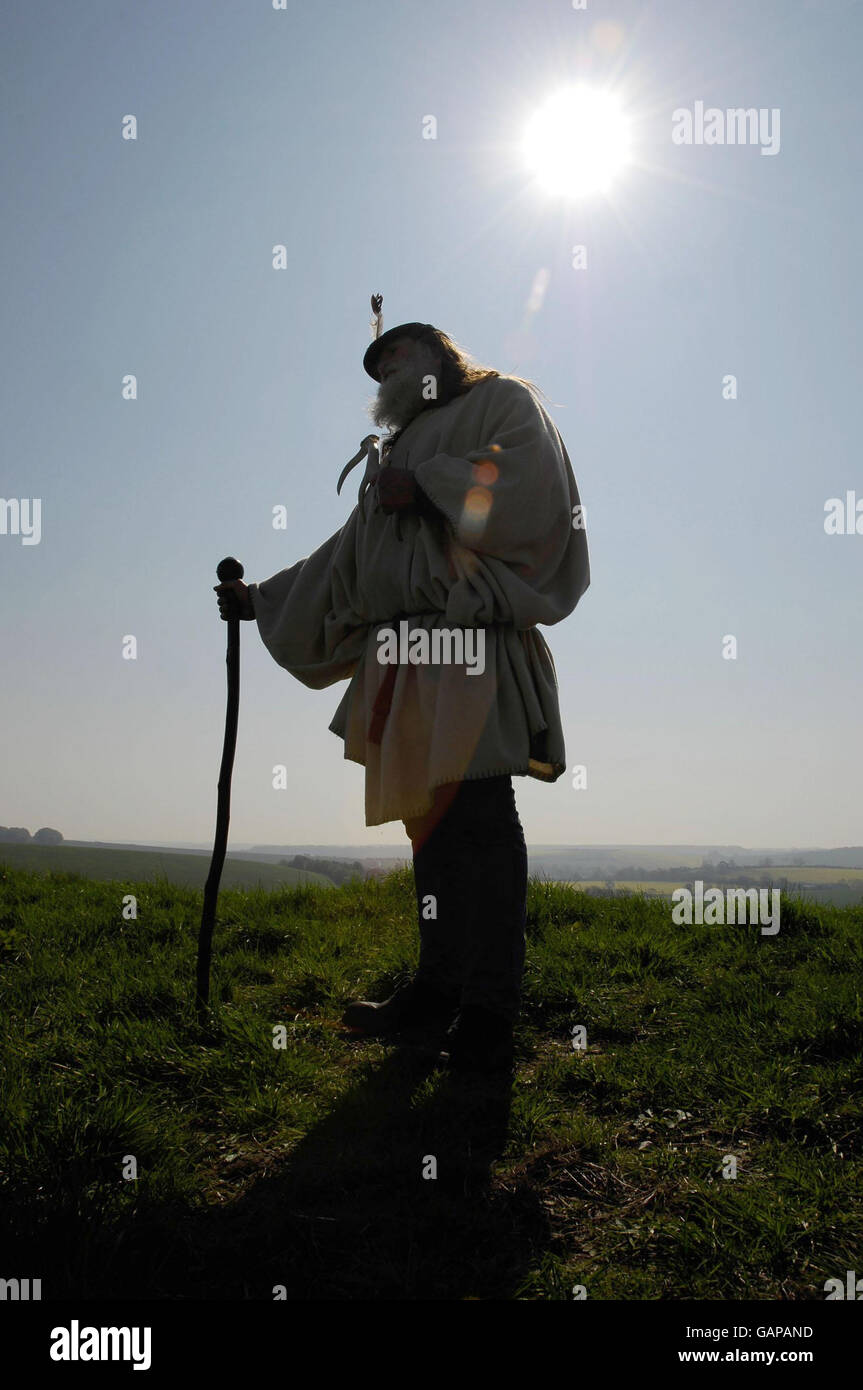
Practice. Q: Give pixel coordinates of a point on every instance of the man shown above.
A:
(467, 534)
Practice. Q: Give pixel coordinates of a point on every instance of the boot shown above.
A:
(413, 1005)
(479, 1041)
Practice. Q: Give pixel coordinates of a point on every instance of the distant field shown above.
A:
(655, 860)
(797, 873)
(126, 865)
(628, 885)
(838, 885)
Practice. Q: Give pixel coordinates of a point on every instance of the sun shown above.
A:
(578, 142)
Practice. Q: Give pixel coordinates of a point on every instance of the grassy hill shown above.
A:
(303, 1166)
(144, 865)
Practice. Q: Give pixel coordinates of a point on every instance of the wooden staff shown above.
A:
(227, 570)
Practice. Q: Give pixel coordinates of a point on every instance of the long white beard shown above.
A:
(400, 396)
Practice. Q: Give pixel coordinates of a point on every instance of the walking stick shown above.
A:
(227, 570)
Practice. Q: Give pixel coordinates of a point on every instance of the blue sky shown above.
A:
(304, 127)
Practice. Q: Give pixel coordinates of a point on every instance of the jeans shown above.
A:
(470, 868)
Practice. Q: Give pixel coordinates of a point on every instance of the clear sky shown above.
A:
(304, 126)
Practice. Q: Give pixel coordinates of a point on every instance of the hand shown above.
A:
(397, 489)
(234, 600)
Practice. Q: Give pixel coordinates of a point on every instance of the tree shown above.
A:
(14, 835)
(47, 836)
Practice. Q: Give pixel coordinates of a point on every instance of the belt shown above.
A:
(382, 705)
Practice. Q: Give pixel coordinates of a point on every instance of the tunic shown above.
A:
(503, 548)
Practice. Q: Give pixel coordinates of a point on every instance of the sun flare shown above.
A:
(578, 142)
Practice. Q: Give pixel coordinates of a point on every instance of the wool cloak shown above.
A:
(502, 547)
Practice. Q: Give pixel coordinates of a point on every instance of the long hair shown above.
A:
(459, 374)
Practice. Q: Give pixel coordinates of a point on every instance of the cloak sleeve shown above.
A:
(520, 550)
(305, 617)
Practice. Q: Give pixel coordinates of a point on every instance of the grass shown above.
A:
(302, 1167)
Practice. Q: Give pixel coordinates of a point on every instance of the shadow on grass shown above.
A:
(347, 1214)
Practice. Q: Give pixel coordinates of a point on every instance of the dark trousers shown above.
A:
(470, 867)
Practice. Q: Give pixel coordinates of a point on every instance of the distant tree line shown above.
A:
(18, 835)
(684, 873)
(635, 874)
(339, 870)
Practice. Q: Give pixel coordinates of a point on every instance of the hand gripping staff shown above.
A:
(227, 570)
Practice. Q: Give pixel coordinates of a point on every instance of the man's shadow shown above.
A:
(389, 1196)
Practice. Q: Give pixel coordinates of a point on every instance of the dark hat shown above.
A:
(379, 345)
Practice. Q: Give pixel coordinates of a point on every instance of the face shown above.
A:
(395, 356)
(402, 368)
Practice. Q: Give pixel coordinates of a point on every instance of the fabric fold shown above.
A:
(496, 552)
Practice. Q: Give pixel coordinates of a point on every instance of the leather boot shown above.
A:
(413, 1005)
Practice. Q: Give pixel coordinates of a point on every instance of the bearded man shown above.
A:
(468, 518)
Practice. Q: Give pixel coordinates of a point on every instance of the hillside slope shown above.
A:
(303, 1166)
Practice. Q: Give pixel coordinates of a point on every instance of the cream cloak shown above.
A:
(511, 553)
